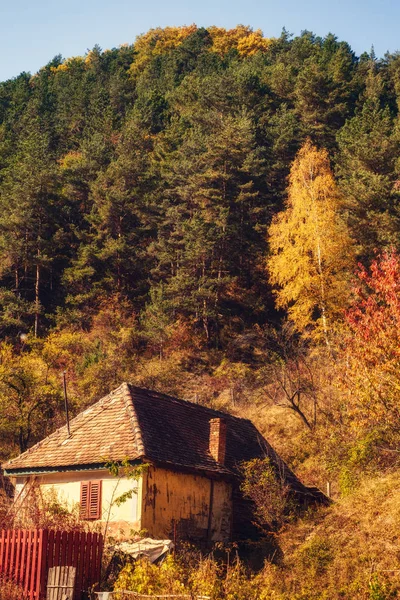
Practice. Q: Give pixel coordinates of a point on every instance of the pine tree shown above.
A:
(112, 252)
(30, 218)
(206, 247)
(366, 166)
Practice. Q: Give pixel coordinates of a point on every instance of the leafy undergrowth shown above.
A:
(348, 551)
(11, 591)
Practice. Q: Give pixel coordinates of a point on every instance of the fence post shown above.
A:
(2, 549)
(12, 553)
(28, 561)
(31, 588)
(20, 575)
(42, 563)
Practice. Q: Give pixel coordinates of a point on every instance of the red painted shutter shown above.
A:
(95, 500)
(84, 500)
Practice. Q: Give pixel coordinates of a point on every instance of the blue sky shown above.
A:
(32, 32)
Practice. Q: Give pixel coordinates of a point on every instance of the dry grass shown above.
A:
(350, 550)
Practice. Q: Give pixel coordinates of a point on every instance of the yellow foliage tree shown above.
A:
(30, 399)
(158, 41)
(243, 38)
(311, 250)
(66, 65)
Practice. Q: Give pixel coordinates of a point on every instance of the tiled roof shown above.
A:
(106, 430)
(136, 423)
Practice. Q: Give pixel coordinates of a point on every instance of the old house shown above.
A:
(191, 486)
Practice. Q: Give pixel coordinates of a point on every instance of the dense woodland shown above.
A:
(215, 214)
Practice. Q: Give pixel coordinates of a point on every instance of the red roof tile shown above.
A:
(106, 430)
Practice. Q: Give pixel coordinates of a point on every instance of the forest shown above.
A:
(215, 214)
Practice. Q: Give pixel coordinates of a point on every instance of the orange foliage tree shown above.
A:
(373, 346)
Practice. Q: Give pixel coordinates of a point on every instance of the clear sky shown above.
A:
(32, 32)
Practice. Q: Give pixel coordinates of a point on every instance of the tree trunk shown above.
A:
(37, 296)
(17, 282)
(319, 260)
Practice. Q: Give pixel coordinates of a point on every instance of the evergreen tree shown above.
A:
(368, 150)
(112, 252)
(30, 219)
(207, 240)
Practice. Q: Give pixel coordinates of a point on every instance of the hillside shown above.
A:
(214, 214)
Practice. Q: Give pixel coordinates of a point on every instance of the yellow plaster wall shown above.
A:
(182, 498)
(68, 488)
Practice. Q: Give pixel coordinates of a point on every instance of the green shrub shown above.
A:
(315, 555)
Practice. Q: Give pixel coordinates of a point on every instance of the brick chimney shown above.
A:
(218, 439)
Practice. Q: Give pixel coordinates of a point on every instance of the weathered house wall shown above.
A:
(200, 508)
(67, 486)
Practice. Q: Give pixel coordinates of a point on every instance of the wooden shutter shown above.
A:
(90, 507)
(95, 500)
(83, 511)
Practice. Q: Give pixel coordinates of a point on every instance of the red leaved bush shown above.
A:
(376, 312)
(373, 346)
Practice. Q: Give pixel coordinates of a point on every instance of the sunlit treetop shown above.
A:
(242, 38)
(159, 41)
(68, 63)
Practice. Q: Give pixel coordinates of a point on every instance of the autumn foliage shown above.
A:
(373, 346)
(311, 250)
(186, 212)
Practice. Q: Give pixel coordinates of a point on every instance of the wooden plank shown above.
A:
(70, 581)
(75, 548)
(31, 590)
(7, 552)
(57, 581)
(57, 543)
(21, 574)
(50, 549)
(50, 583)
(28, 561)
(2, 549)
(86, 561)
(38, 570)
(99, 557)
(63, 549)
(70, 542)
(18, 552)
(42, 563)
(18, 555)
(75, 556)
(63, 579)
(2, 546)
(93, 561)
(12, 553)
(81, 559)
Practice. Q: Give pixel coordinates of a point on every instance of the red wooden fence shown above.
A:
(27, 555)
